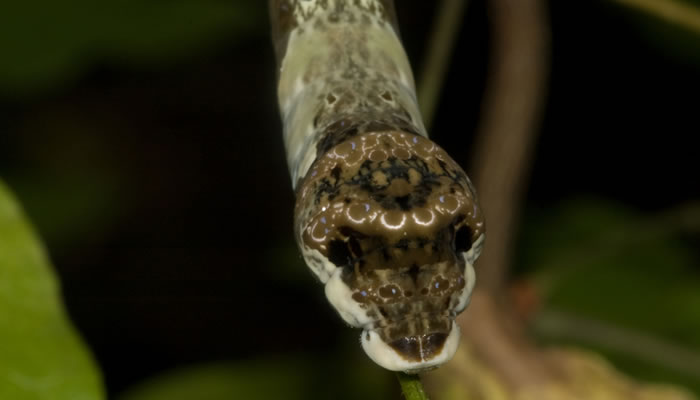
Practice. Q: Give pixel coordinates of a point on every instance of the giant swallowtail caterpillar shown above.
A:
(385, 219)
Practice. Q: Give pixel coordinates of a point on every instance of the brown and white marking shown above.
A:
(384, 217)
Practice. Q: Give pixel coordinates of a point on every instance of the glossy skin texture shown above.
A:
(384, 217)
(390, 222)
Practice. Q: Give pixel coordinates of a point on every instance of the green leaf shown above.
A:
(41, 354)
(630, 271)
(606, 262)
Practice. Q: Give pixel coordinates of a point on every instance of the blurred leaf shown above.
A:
(41, 355)
(604, 261)
(43, 42)
(607, 263)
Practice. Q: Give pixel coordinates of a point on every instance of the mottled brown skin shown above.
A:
(396, 213)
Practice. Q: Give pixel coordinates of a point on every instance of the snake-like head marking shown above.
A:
(391, 225)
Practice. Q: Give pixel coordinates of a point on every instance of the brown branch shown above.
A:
(504, 147)
(501, 343)
(509, 126)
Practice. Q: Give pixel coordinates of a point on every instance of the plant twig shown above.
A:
(411, 386)
(640, 345)
(675, 12)
(438, 56)
(508, 130)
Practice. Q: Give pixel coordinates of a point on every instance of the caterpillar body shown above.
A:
(385, 219)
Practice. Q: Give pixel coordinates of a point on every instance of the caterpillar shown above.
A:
(384, 217)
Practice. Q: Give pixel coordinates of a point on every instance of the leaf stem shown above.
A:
(411, 386)
(438, 55)
(675, 12)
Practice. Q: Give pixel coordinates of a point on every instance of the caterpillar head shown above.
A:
(390, 223)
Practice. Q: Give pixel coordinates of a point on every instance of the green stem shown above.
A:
(676, 12)
(438, 54)
(411, 386)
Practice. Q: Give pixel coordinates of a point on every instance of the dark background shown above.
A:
(157, 177)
